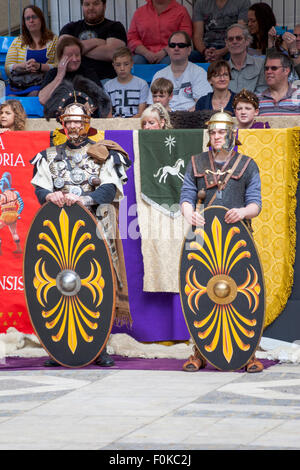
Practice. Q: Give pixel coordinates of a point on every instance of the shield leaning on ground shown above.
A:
(222, 290)
(69, 284)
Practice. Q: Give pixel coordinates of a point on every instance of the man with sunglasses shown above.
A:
(246, 71)
(281, 97)
(189, 80)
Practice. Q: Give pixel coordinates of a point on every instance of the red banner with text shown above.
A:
(18, 206)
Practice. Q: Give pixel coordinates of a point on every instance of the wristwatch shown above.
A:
(295, 55)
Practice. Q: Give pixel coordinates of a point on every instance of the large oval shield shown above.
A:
(222, 290)
(69, 284)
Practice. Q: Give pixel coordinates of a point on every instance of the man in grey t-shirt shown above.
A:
(246, 71)
(211, 18)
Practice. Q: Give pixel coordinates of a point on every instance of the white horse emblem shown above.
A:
(174, 170)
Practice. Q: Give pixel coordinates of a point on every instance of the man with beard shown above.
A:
(93, 174)
(99, 36)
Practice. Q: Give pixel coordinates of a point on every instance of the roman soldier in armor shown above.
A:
(223, 177)
(80, 170)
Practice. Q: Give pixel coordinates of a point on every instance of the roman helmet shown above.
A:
(78, 113)
(223, 120)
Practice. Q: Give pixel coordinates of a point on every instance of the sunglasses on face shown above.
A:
(181, 45)
(237, 38)
(273, 67)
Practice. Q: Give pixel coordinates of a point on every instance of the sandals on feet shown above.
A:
(254, 365)
(194, 363)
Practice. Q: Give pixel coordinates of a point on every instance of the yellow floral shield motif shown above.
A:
(67, 247)
(219, 257)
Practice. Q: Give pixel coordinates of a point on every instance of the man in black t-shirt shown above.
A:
(99, 36)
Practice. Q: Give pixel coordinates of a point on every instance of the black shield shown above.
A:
(222, 290)
(69, 284)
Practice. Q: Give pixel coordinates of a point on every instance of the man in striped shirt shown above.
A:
(281, 97)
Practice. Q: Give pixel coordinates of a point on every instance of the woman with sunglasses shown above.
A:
(219, 76)
(33, 51)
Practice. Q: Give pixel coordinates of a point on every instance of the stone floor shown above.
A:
(138, 410)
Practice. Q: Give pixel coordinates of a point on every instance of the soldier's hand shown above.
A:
(70, 199)
(57, 198)
(197, 219)
(235, 215)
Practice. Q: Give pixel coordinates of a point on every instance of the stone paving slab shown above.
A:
(141, 410)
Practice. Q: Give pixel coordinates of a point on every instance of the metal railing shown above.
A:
(287, 12)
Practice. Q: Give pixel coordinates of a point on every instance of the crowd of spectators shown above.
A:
(237, 40)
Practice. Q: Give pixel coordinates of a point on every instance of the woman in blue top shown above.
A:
(219, 76)
(33, 51)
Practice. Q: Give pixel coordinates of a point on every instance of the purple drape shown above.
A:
(156, 316)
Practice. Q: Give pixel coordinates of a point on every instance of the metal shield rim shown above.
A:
(113, 284)
(263, 282)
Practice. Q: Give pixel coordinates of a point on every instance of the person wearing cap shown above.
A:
(241, 194)
(93, 174)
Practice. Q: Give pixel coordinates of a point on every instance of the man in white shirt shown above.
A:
(189, 80)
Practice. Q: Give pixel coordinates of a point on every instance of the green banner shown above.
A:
(163, 162)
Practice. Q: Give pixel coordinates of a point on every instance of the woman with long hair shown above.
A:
(260, 20)
(34, 51)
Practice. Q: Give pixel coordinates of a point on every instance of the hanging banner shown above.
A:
(18, 206)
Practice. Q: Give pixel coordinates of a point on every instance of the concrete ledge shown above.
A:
(100, 124)
(134, 123)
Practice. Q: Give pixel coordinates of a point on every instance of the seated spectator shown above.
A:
(151, 27)
(86, 92)
(99, 37)
(128, 94)
(189, 80)
(246, 71)
(155, 117)
(31, 52)
(297, 36)
(70, 69)
(162, 92)
(246, 108)
(260, 20)
(295, 50)
(281, 97)
(288, 44)
(12, 116)
(211, 18)
(218, 75)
